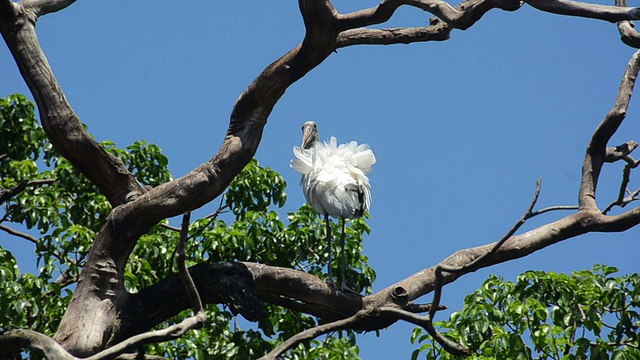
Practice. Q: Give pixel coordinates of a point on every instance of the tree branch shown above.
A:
(59, 121)
(187, 281)
(314, 333)
(13, 341)
(464, 15)
(581, 9)
(19, 234)
(596, 153)
(43, 7)
(219, 283)
(6, 195)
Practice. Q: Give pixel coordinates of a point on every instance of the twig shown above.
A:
(6, 195)
(169, 227)
(189, 285)
(19, 234)
(553, 208)
(626, 177)
(314, 333)
(426, 323)
(435, 305)
(420, 308)
(169, 333)
(63, 280)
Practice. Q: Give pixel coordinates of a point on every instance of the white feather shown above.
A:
(334, 177)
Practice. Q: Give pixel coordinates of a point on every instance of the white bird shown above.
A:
(334, 181)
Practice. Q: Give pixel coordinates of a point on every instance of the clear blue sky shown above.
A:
(461, 129)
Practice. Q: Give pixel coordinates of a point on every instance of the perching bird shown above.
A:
(334, 181)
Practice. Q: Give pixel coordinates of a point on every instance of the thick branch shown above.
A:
(128, 222)
(628, 34)
(312, 295)
(43, 7)
(220, 283)
(61, 124)
(13, 342)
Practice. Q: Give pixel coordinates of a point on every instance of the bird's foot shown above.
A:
(332, 284)
(342, 288)
(346, 290)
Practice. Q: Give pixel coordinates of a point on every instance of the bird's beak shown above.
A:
(309, 136)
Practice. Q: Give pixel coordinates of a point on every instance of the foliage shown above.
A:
(588, 314)
(63, 215)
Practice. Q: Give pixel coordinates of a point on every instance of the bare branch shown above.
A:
(140, 357)
(554, 208)
(314, 333)
(43, 7)
(190, 286)
(152, 337)
(628, 34)
(364, 36)
(59, 121)
(622, 201)
(426, 323)
(466, 268)
(13, 341)
(462, 16)
(386, 8)
(581, 9)
(620, 152)
(360, 316)
(19, 234)
(596, 150)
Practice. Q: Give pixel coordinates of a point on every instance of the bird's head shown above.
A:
(310, 135)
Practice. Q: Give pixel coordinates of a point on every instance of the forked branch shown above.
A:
(596, 153)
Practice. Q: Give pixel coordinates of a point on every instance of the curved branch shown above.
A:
(581, 9)
(462, 16)
(170, 333)
(385, 10)
(19, 234)
(628, 34)
(220, 283)
(13, 341)
(6, 195)
(43, 7)
(128, 222)
(314, 333)
(596, 153)
(59, 121)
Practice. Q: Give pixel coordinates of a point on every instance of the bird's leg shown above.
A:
(343, 284)
(330, 282)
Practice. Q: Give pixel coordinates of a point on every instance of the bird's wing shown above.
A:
(363, 158)
(303, 163)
